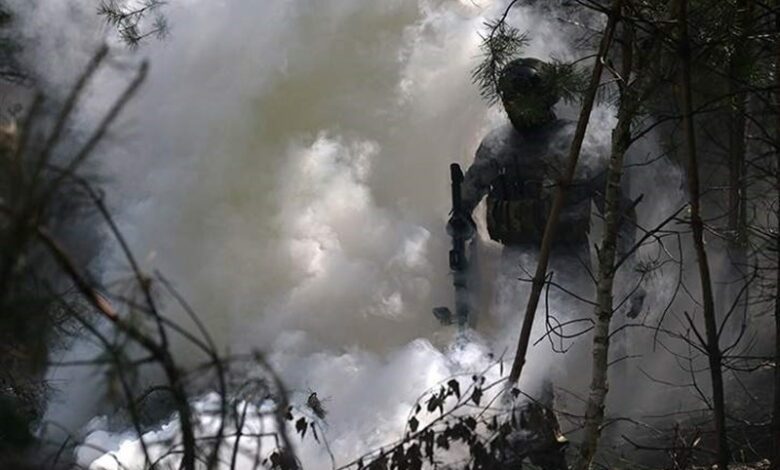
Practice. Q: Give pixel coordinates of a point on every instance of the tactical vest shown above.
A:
(517, 210)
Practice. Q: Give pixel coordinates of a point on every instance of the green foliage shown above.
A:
(568, 81)
(137, 22)
(503, 44)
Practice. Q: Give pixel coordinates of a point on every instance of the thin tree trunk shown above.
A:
(160, 353)
(552, 220)
(776, 407)
(737, 184)
(776, 404)
(737, 217)
(697, 226)
(621, 140)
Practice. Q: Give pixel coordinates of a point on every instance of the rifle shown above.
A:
(461, 231)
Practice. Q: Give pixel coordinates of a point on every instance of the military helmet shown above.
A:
(528, 97)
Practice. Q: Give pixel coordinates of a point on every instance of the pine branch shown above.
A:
(131, 23)
(501, 46)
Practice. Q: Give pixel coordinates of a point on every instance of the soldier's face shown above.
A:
(527, 109)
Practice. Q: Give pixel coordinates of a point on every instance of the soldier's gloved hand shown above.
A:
(636, 302)
(462, 226)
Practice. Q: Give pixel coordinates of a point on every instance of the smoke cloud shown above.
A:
(286, 166)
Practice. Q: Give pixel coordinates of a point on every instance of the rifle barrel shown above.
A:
(456, 175)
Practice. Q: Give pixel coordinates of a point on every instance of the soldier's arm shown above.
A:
(478, 177)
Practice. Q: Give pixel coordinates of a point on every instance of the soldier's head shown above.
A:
(527, 97)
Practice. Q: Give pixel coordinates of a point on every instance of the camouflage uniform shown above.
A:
(518, 167)
(518, 171)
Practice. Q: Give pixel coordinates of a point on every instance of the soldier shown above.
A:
(517, 166)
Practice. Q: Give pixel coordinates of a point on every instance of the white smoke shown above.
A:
(286, 165)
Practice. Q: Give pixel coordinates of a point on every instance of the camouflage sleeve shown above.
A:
(480, 174)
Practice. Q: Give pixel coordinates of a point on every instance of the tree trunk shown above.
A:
(552, 220)
(776, 405)
(737, 185)
(697, 226)
(594, 414)
(737, 217)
